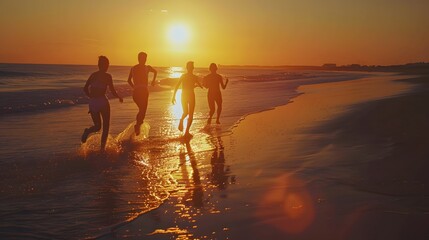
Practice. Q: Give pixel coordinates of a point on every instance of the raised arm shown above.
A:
(173, 100)
(222, 84)
(130, 76)
(86, 87)
(151, 69)
(113, 90)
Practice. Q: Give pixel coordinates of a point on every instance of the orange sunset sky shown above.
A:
(272, 32)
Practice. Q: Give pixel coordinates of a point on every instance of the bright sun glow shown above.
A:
(178, 34)
(175, 72)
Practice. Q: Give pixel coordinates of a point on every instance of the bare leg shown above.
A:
(105, 114)
(185, 113)
(180, 127)
(141, 99)
(212, 108)
(95, 128)
(191, 114)
(219, 108)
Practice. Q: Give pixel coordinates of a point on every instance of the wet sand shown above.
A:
(345, 160)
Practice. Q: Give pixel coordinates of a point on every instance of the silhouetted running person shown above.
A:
(140, 74)
(99, 107)
(214, 95)
(189, 82)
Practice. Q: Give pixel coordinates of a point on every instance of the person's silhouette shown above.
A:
(214, 95)
(188, 82)
(99, 107)
(138, 80)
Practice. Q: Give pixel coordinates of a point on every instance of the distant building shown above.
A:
(329, 65)
(355, 65)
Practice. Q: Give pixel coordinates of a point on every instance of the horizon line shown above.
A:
(231, 65)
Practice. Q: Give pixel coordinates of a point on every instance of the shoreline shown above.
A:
(185, 217)
(219, 182)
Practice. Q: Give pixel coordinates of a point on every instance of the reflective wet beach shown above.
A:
(291, 182)
(55, 187)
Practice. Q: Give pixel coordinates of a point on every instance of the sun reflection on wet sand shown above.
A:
(169, 230)
(188, 198)
(203, 204)
(202, 178)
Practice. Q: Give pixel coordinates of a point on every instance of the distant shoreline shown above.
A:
(414, 68)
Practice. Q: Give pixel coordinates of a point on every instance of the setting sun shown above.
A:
(178, 34)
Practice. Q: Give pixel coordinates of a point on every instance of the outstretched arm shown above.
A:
(173, 100)
(113, 90)
(222, 84)
(151, 69)
(130, 76)
(197, 81)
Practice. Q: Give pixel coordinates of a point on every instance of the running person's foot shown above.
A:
(85, 135)
(209, 121)
(180, 125)
(137, 129)
(188, 135)
(217, 121)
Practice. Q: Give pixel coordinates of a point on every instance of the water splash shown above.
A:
(92, 146)
(114, 145)
(129, 134)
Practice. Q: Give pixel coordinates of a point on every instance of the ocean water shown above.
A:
(54, 187)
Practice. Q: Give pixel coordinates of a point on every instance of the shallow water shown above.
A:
(54, 187)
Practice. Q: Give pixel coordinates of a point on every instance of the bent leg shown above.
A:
(141, 99)
(97, 122)
(95, 128)
(105, 114)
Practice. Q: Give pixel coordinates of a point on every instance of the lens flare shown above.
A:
(289, 204)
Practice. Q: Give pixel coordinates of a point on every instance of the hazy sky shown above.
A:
(270, 32)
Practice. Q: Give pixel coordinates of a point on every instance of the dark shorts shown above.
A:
(98, 104)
